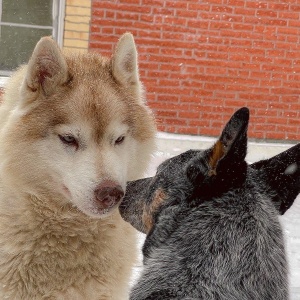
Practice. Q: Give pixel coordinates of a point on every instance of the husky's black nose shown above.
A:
(108, 194)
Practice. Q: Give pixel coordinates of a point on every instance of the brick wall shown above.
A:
(201, 60)
(77, 24)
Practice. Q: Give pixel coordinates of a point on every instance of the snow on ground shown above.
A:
(290, 222)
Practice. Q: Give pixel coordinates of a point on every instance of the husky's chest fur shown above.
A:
(65, 249)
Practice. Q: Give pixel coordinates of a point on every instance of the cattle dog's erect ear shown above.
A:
(232, 144)
(223, 166)
(46, 69)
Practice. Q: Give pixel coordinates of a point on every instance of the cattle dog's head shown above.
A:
(196, 176)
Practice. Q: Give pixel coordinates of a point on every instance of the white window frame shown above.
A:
(58, 16)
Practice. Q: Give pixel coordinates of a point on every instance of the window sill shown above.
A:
(3, 80)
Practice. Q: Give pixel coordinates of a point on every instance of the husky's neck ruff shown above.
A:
(74, 128)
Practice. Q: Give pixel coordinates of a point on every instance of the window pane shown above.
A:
(33, 12)
(17, 44)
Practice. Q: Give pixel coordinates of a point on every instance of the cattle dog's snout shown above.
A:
(132, 208)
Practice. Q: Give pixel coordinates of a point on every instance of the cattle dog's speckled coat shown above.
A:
(212, 222)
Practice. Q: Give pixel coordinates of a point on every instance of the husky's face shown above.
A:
(82, 127)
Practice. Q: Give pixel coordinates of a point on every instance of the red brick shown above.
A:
(199, 6)
(271, 83)
(291, 99)
(265, 127)
(127, 16)
(151, 2)
(176, 121)
(294, 137)
(256, 4)
(275, 135)
(285, 128)
(288, 31)
(209, 16)
(200, 123)
(263, 44)
(188, 114)
(294, 23)
(288, 15)
(220, 25)
(244, 12)
(281, 121)
(97, 13)
(177, 4)
(292, 39)
(216, 126)
(266, 13)
(103, 4)
(186, 13)
(293, 122)
(166, 113)
(236, 2)
(135, 8)
(221, 9)
(295, 8)
(197, 23)
(187, 130)
(217, 56)
(212, 116)
(238, 27)
(278, 6)
(146, 18)
(289, 114)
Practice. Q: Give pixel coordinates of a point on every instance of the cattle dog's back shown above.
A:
(218, 250)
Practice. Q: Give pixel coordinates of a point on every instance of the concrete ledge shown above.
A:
(3, 81)
(173, 144)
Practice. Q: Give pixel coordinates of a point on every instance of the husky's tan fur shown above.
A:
(52, 243)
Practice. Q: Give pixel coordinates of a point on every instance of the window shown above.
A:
(22, 24)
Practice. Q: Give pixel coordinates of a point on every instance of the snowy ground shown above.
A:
(290, 221)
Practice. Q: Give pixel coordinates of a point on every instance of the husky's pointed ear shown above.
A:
(124, 61)
(47, 67)
(232, 144)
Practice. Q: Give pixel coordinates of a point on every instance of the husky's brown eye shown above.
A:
(69, 140)
(120, 140)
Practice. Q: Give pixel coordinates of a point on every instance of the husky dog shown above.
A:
(74, 128)
(212, 222)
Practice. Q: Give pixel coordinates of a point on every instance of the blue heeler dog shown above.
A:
(212, 222)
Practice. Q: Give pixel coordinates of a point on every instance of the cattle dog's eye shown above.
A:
(69, 140)
(120, 140)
